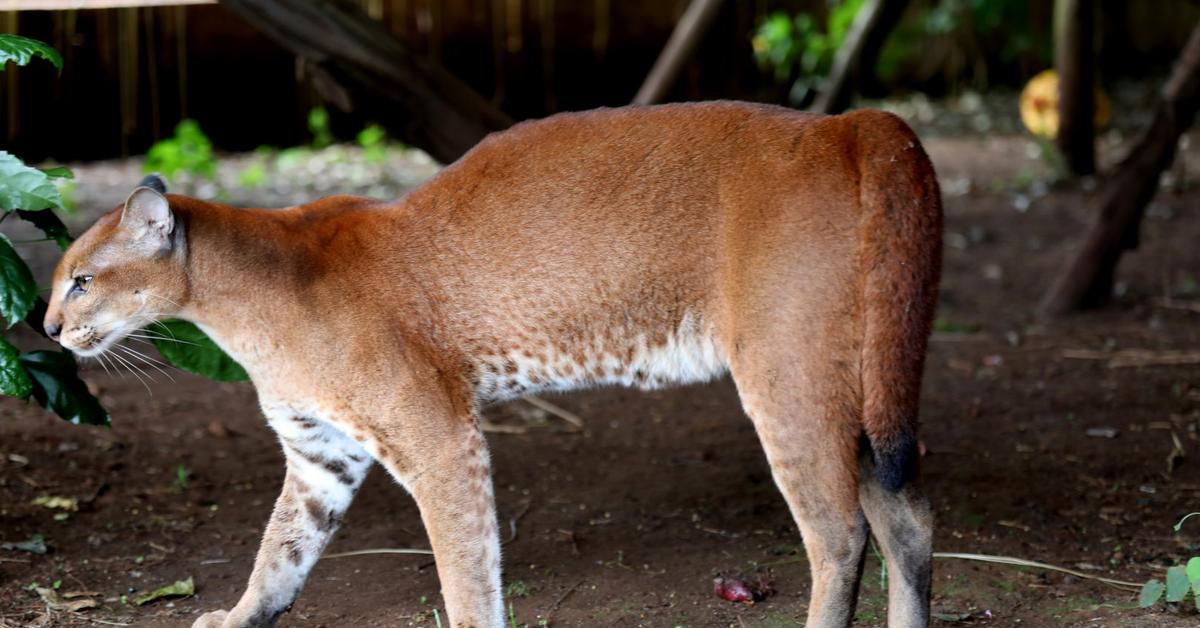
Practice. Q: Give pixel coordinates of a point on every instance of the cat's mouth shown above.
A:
(89, 342)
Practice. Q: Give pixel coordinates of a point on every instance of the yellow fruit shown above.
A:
(1039, 105)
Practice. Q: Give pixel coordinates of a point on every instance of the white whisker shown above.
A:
(176, 304)
(134, 371)
(100, 361)
(162, 338)
(154, 364)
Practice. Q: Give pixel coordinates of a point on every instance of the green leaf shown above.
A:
(17, 289)
(14, 381)
(50, 224)
(185, 346)
(58, 172)
(22, 50)
(22, 187)
(181, 588)
(1151, 592)
(1177, 583)
(57, 387)
(1193, 575)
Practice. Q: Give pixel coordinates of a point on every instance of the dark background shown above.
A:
(130, 74)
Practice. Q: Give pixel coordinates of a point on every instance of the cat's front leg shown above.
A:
(324, 470)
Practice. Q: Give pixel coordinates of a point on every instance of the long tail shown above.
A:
(901, 253)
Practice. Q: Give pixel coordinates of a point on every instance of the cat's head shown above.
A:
(124, 273)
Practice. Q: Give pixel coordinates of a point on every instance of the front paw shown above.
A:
(215, 619)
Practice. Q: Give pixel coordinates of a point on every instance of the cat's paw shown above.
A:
(215, 619)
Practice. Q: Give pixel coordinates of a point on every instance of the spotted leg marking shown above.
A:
(325, 467)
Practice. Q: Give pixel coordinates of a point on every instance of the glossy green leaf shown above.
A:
(50, 224)
(1152, 591)
(185, 346)
(1193, 575)
(59, 172)
(22, 50)
(22, 187)
(1177, 583)
(17, 289)
(14, 381)
(57, 387)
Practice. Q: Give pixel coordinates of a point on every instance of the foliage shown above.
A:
(56, 385)
(797, 47)
(957, 37)
(22, 187)
(188, 348)
(188, 152)
(49, 377)
(1181, 581)
(22, 50)
(373, 140)
(318, 125)
(52, 377)
(970, 27)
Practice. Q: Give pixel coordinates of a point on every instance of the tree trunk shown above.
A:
(684, 39)
(360, 65)
(858, 53)
(1075, 63)
(1123, 196)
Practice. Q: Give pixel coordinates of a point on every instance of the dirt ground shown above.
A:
(627, 522)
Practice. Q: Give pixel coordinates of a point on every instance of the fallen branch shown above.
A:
(1135, 357)
(1021, 562)
(559, 601)
(512, 522)
(562, 413)
(1174, 304)
(382, 550)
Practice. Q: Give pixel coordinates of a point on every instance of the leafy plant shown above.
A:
(185, 346)
(188, 152)
(22, 50)
(318, 125)
(797, 50)
(181, 476)
(49, 377)
(52, 377)
(1181, 581)
(373, 140)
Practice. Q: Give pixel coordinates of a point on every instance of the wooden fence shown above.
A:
(132, 71)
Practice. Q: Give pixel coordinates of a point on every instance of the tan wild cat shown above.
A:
(642, 246)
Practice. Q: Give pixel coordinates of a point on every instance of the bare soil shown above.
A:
(627, 522)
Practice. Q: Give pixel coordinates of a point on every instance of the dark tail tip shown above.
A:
(896, 464)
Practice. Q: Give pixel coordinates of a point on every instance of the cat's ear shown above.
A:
(155, 182)
(148, 218)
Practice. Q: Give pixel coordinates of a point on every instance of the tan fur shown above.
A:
(643, 246)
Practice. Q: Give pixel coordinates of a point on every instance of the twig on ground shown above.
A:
(381, 550)
(1175, 304)
(102, 621)
(1021, 562)
(562, 413)
(1135, 357)
(512, 522)
(499, 428)
(559, 601)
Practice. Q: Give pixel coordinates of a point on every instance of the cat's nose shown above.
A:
(53, 330)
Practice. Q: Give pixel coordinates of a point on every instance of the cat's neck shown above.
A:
(244, 270)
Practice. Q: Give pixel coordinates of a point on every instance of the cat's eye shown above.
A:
(81, 283)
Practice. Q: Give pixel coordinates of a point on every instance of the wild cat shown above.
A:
(643, 246)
